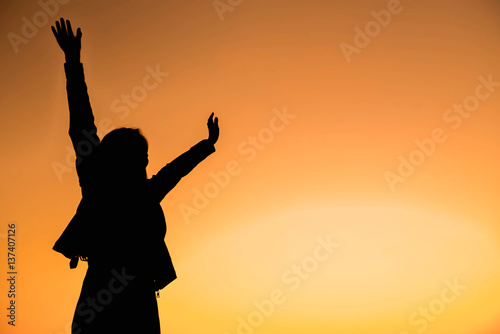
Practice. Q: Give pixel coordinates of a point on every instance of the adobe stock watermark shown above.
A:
(293, 278)
(30, 27)
(372, 29)
(430, 312)
(12, 271)
(223, 6)
(120, 106)
(426, 147)
(93, 305)
(249, 149)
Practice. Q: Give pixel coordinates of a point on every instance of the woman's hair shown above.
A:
(124, 152)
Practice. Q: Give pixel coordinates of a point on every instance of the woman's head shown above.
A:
(124, 153)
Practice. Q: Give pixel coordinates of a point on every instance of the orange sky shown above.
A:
(355, 187)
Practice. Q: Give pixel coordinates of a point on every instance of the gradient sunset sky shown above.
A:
(356, 184)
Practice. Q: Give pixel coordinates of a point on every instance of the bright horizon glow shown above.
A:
(389, 263)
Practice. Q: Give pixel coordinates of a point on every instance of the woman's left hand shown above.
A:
(213, 129)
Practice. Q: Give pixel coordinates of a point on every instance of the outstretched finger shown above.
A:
(58, 26)
(70, 30)
(54, 31)
(63, 27)
(211, 118)
(78, 33)
(216, 121)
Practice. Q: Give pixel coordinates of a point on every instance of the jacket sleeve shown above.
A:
(171, 174)
(82, 130)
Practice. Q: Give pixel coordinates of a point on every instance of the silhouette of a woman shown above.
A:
(119, 226)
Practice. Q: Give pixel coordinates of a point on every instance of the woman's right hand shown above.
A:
(68, 42)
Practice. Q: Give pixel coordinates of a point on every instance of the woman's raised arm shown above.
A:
(172, 173)
(82, 129)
